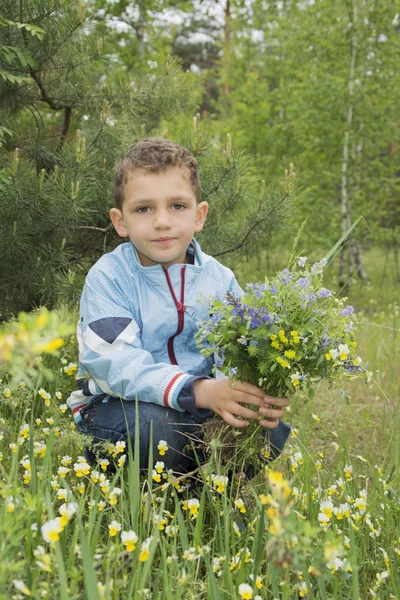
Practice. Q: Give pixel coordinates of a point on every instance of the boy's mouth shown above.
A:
(164, 240)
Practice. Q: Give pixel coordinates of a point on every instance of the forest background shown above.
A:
(250, 86)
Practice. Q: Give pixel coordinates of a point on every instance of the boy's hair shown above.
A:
(154, 155)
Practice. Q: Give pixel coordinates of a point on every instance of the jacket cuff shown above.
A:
(187, 399)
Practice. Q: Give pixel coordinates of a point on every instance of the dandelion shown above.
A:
(245, 591)
(51, 530)
(114, 527)
(129, 539)
(162, 447)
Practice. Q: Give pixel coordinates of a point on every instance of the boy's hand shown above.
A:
(226, 401)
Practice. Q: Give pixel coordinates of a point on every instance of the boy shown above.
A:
(139, 312)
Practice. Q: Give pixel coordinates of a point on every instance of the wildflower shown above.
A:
(104, 462)
(159, 466)
(81, 469)
(295, 378)
(144, 550)
(193, 506)
(113, 497)
(121, 460)
(114, 527)
(342, 511)
(335, 446)
(13, 447)
(282, 362)
(43, 559)
(129, 539)
(24, 430)
(162, 447)
(302, 261)
(67, 511)
(360, 504)
(66, 460)
(21, 587)
(347, 311)
(63, 471)
(290, 354)
(240, 505)
(51, 529)
(323, 519)
(220, 482)
(332, 354)
(348, 470)
(315, 417)
(245, 591)
(58, 395)
(63, 408)
(343, 351)
(63, 494)
(101, 505)
(6, 392)
(326, 508)
(324, 293)
(71, 368)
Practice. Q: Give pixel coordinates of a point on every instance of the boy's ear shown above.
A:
(202, 210)
(118, 222)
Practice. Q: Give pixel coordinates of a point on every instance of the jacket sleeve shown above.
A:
(111, 349)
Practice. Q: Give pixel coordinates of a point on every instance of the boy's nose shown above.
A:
(162, 220)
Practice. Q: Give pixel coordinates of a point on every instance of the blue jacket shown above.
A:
(137, 326)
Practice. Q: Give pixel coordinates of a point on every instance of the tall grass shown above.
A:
(321, 522)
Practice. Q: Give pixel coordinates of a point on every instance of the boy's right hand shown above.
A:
(226, 401)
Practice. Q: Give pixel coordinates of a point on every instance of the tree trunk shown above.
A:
(227, 42)
(345, 200)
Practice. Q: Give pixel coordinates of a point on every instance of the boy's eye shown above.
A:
(179, 206)
(142, 209)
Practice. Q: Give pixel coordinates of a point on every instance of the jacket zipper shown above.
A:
(181, 312)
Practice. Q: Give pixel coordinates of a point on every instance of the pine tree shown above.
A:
(70, 127)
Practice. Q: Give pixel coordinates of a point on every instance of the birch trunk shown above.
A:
(345, 201)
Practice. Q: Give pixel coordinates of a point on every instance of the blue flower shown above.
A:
(324, 293)
(285, 276)
(273, 289)
(304, 282)
(232, 371)
(215, 319)
(312, 298)
(253, 343)
(346, 312)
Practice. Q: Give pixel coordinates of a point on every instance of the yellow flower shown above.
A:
(129, 539)
(279, 485)
(240, 505)
(144, 550)
(114, 527)
(50, 346)
(162, 448)
(51, 529)
(328, 356)
(290, 353)
(156, 476)
(193, 506)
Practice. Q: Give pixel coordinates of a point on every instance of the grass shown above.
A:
(344, 450)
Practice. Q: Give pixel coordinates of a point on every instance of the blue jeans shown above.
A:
(113, 419)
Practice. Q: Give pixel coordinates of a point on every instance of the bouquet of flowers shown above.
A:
(283, 335)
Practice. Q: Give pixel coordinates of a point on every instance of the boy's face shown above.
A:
(159, 215)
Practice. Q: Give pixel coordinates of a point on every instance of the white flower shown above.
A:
(245, 591)
(302, 261)
(51, 529)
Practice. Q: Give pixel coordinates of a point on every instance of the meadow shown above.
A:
(322, 521)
